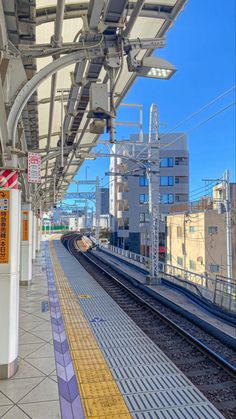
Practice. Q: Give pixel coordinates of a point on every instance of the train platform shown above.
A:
(33, 391)
(175, 298)
(105, 366)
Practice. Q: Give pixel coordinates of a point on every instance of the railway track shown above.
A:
(207, 363)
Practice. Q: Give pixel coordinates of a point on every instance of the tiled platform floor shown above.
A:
(32, 392)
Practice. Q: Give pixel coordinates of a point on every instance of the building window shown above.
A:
(180, 261)
(166, 181)
(167, 198)
(192, 229)
(192, 265)
(143, 198)
(212, 230)
(179, 161)
(179, 232)
(215, 268)
(120, 225)
(167, 162)
(144, 217)
(143, 181)
(126, 223)
(181, 179)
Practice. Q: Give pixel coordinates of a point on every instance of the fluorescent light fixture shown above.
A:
(86, 156)
(156, 68)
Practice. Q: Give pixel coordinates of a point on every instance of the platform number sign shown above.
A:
(4, 226)
(34, 165)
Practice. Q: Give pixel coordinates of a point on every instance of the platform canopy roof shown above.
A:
(48, 22)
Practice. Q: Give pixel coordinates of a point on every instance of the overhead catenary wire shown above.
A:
(192, 115)
(197, 126)
(190, 130)
(201, 109)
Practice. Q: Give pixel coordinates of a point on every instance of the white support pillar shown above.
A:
(34, 237)
(39, 236)
(10, 211)
(26, 244)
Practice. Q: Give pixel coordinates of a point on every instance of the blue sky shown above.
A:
(201, 45)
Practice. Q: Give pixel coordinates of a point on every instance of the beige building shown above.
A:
(196, 241)
(219, 194)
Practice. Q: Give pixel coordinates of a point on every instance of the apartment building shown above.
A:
(129, 189)
(104, 209)
(196, 241)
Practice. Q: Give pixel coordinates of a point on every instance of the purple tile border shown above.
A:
(69, 396)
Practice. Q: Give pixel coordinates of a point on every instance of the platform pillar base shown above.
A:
(8, 370)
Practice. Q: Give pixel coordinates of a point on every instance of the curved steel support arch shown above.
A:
(29, 88)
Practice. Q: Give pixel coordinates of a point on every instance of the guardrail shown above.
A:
(220, 291)
(140, 259)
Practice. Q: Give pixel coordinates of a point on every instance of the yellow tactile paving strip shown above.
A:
(100, 394)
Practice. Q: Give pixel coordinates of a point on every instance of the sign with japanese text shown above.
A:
(34, 165)
(4, 226)
(25, 225)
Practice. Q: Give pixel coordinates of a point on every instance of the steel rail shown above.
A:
(219, 360)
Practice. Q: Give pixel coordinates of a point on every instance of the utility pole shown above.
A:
(86, 202)
(227, 203)
(98, 207)
(153, 189)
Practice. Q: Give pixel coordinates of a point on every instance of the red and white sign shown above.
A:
(34, 165)
(8, 179)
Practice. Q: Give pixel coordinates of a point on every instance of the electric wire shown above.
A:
(220, 96)
(199, 111)
(189, 131)
(192, 129)
(196, 113)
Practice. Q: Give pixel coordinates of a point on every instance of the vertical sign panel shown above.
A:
(25, 225)
(4, 225)
(34, 166)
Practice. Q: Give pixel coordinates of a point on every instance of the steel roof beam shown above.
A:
(57, 98)
(78, 10)
(113, 13)
(136, 12)
(28, 89)
(57, 39)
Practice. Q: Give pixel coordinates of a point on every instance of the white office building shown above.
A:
(129, 223)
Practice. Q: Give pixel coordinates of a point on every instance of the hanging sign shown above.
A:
(34, 165)
(4, 226)
(25, 225)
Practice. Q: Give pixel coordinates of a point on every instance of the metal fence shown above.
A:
(219, 290)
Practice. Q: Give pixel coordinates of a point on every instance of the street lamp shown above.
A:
(156, 68)
(153, 67)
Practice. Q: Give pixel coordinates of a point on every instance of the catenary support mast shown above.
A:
(154, 180)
